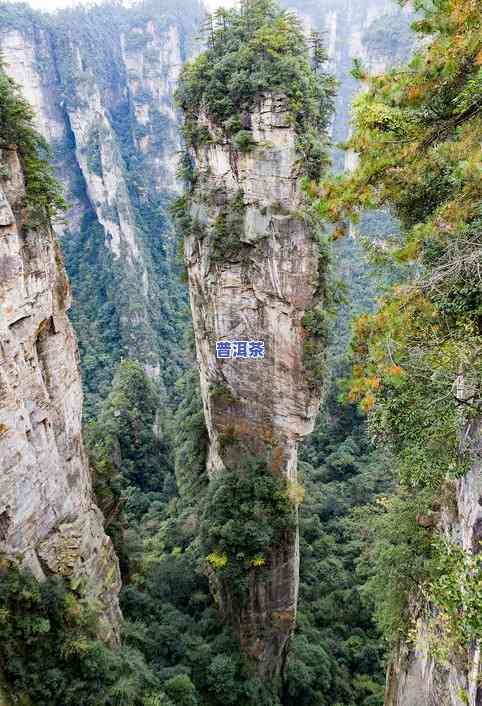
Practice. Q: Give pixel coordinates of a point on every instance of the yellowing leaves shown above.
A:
(295, 492)
(395, 370)
(368, 402)
(79, 646)
(414, 92)
(258, 561)
(409, 252)
(339, 232)
(217, 561)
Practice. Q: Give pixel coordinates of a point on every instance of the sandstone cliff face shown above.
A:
(415, 678)
(257, 286)
(23, 56)
(152, 72)
(48, 520)
(114, 134)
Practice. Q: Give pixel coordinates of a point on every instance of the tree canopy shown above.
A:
(258, 48)
(43, 195)
(416, 360)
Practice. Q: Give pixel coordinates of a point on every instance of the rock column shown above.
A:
(252, 261)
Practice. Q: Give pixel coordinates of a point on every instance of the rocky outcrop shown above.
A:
(152, 70)
(415, 677)
(109, 114)
(253, 274)
(48, 519)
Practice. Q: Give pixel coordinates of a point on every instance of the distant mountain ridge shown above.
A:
(101, 81)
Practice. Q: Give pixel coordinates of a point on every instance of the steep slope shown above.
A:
(101, 82)
(415, 676)
(48, 519)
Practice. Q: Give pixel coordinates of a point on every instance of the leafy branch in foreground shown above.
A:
(417, 368)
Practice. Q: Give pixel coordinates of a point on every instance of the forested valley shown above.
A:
(307, 173)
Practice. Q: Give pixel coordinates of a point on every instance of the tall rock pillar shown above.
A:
(253, 263)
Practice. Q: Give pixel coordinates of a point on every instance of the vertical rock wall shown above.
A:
(415, 677)
(48, 519)
(152, 71)
(255, 286)
(113, 127)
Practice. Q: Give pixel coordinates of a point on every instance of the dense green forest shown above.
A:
(403, 382)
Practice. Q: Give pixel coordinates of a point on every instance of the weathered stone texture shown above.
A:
(259, 290)
(48, 519)
(153, 71)
(84, 131)
(414, 677)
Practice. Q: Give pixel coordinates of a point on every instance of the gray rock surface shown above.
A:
(259, 289)
(78, 114)
(415, 677)
(48, 519)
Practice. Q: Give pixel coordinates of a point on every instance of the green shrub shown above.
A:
(398, 557)
(233, 124)
(94, 157)
(228, 227)
(258, 48)
(191, 438)
(243, 141)
(186, 171)
(247, 512)
(220, 393)
(316, 323)
(181, 691)
(43, 196)
(454, 591)
(50, 652)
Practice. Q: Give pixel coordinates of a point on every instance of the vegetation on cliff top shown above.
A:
(256, 49)
(43, 196)
(416, 135)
